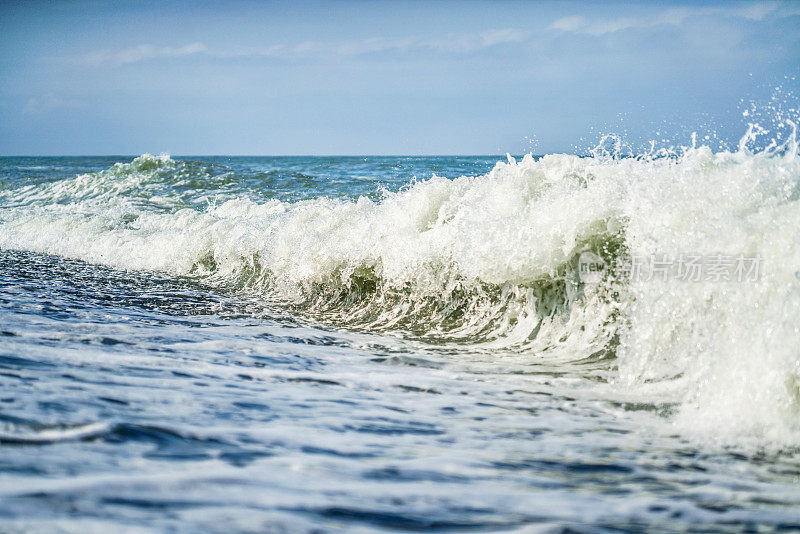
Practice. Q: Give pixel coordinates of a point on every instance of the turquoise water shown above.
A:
(394, 343)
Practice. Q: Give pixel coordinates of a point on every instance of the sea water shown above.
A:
(401, 343)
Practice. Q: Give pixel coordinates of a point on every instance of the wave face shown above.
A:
(491, 262)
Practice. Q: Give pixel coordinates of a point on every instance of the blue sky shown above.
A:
(432, 77)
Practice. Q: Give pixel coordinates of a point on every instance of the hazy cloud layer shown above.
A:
(139, 53)
(451, 43)
(672, 17)
(446, 44)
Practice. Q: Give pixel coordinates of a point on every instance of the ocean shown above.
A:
(557, 343)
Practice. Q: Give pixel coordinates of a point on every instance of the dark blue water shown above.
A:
(206, 400)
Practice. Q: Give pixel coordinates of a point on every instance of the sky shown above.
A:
(434, 77)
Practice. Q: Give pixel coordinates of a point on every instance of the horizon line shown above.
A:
(270, 155)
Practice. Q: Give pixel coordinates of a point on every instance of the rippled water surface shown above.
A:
(149, 383)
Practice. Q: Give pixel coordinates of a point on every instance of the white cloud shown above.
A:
(672, 17)
(140, 53)
(44, 103)
(452, 44)
(447, 44)
(474, 43)
(569, 24)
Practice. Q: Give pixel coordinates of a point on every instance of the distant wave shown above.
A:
(492, 261)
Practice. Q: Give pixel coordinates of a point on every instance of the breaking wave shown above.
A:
(492, 262)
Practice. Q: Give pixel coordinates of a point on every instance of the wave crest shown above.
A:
(492, 261)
